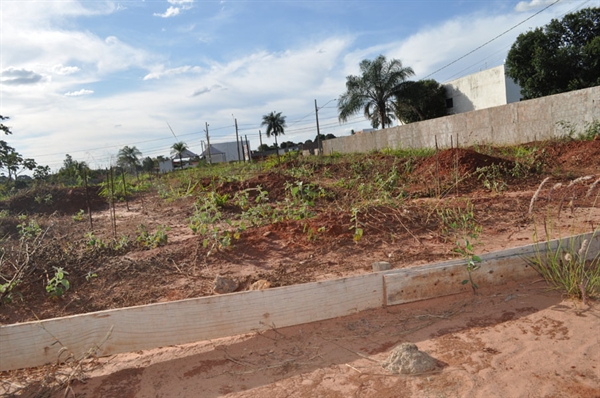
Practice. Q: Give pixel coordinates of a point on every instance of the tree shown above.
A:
(559, 57)
(148, 164)
(72, 170)
(128, 157)
(374, 91)
(179, 148)
(275, 124)
(4, 128)
(420, 100)
(10, 159)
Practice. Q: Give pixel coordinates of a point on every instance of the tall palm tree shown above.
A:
(177, 149)
(373, 92)
(128, 157)
(275, 124)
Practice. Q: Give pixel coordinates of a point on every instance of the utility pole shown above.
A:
(260, 137)
(208, 145)
(248, 149)
(318, 131)
(237, 140)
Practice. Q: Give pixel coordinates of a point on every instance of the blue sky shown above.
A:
(90, 76)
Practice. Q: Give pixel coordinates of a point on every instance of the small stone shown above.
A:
(224, 285)
(260, 284)
(407, 359)
(381, 266)
(266, 234)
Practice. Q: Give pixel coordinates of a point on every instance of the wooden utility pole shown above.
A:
(208, 145)
(318, 131)
(260, 137)
(237, 140)
(248, 149)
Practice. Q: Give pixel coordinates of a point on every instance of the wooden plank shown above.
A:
(497, 268)
(157, 325)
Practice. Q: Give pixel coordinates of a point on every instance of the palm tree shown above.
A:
(275, 124)
(177, 149)
(128, 157)
(374, 91)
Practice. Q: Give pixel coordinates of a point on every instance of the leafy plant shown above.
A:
(356, 225)
(90, 275)
(492, 178)
(47, 199)
(29, 230)
(58, 285)
(472, 262)
(151, 240)
(458, 222)
(79, 216)
(7, 290)
(93, 241)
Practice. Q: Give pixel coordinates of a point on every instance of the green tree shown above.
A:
(128, 157)
(179, 148)
(420, 100)
(373, 92)
(559, 57)
(275, 124)
(148, 164)
(73, 171)
(10, 159)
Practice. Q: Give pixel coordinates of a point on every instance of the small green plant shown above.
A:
(492, 177)
(29, 230)
(356, 225)
(79, 216)
(46, 199)
(569, 268)
(472, 262)
(151, 240)
(92, 240)
(121, 243)
(90, 275)
(458, 222)
(7, 289)
(58, 285)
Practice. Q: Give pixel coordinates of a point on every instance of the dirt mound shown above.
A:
(575, 154)
(273, 183)
(48, 200)
(463, 160)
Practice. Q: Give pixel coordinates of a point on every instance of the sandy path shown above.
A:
(520, 341)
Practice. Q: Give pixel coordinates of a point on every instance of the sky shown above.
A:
(87, 77)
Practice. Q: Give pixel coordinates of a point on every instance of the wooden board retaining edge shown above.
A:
(442, 279)
(156, 325)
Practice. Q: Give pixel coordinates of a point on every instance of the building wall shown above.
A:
(231, 150)
(512, 124)
(482, 90)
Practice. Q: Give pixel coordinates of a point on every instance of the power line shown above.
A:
(489, 41)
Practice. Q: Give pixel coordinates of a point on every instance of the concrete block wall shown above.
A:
(512, 124)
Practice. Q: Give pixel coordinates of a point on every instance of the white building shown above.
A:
(485, 89)
(230, 149)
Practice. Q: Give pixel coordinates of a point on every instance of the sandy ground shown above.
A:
(518, 341)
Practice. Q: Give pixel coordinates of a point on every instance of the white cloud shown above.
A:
(79, 93)
(64, 70)
(171, 12)
(523, 6)
(13, 76)
(205, 90)
(187, 3)
(172, 72)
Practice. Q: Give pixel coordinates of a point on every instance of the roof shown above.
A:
(184, 155)
(213, 151)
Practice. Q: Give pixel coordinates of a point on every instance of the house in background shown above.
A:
(215, 155)
(188, 159)
(484, 89)
(230, 151)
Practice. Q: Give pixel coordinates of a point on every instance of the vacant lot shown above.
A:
(301, 220)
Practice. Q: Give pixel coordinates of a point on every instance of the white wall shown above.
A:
(482, 90)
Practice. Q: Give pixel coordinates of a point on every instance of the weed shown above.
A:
(90, 275)
(29, 230)
(93, 241)
(79, 216)
(47, 199)
(492, 177)
(7, 289)
(356, 225)
(458, 222)
(151, 240)
(472, 261)
(58, 285)
(570, 267)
